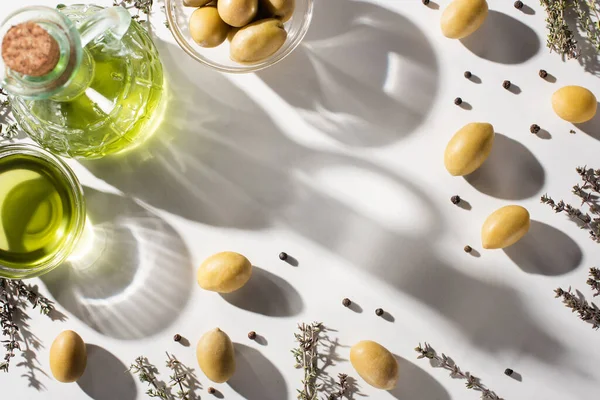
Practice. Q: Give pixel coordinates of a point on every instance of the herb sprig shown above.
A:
(561, 37)
(589, 193)
(14, 298)
(474, 383)
(307, 355)
(182, 378)
(143, 8)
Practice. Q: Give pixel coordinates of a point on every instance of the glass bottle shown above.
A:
(87, 84)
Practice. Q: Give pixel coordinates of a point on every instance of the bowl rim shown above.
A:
(242, 68)
(63, 254)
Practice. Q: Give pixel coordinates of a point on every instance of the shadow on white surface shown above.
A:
(503, 39)
(417, 384)
(266, 294)
(106, 377)
(364, 75)
(256, 377)
(136, 276)
(592, 127)
(220, 160)
(589, 57)
(545, 251)
(521, 178)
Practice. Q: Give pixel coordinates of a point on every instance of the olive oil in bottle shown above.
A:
(38, 213)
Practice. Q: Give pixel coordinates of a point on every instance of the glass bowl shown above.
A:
(178, 17)
(72, 233)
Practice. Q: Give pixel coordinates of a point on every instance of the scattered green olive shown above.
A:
(282, 9)
(463, 17)
(68, 357)
(224, 272)
(207, 28)
(469, 148)
(575, 104)
(232, 33)
(258, 41)
(375, 364)
(195, 3)
(215, 355)
(505, 227)
(237, 13)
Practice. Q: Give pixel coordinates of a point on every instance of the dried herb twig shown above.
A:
(14, 294)
(146, 373)
(426, 351)
(306, 356)
(589, 193)
(184, 378)
(594, 281)
(561, 37)
(343, 388)
(586, 312)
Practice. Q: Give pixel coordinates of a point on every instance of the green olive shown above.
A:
(232, 33)
(195, 3)
(463, 17)
(469, 148)
(505, 227)
(375, 364)
(282, 9)
(237, 12)
(216, 356)
(258, 41)
(575, 104)
(207, 28)
(224, 272)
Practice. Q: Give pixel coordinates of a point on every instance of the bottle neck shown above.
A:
(73, 70)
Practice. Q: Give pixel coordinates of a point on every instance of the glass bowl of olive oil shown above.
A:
(42, 211)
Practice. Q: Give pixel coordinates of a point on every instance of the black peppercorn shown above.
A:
(211, 390)
(283, 256)
(426, 2)
(379, 312)
(455, 199)
(468, 249)
(458, 101)
(346, 302)
(518, 4)
(535, 128)
(177, 337)
(251, 335)
(506, 84)
(468, 74)
(543, 73)
(508, 371)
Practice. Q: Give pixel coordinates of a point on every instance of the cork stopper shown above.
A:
(29, 49)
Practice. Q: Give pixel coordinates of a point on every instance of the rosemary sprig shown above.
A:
(589, 193)
(146, 373)
(594, 281)
(306, 356)
(15, 294)
(426, 351)
(588, 313)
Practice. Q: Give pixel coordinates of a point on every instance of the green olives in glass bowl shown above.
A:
(203, 38)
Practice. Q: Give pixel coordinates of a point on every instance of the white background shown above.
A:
(336, 157)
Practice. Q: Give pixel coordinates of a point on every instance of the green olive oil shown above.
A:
(37, 211)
